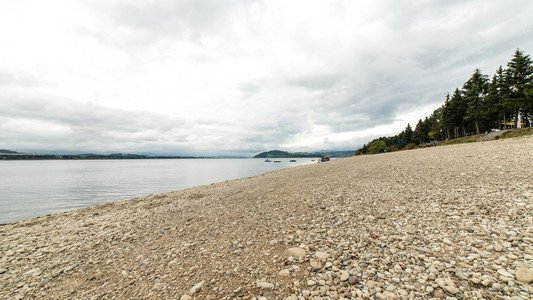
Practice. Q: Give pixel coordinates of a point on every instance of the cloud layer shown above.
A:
(238, 77)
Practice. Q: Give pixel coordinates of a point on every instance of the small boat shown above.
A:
(324, 159)
(292, 160)
(277, 161)
(268, 160)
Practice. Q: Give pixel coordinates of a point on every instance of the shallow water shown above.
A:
(36, 188)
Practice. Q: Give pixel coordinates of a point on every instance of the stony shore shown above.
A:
(452, 222)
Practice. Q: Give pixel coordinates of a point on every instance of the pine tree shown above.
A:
(457, 111)
(446, 117)
(418, 134)
(474, 91)
(519, 79)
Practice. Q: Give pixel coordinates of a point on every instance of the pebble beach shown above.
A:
(447, 222)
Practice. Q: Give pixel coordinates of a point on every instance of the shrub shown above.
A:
(376, 147)
(410, 146)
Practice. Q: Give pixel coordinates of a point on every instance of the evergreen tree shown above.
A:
(418, 134)
(408, 134)
(519, 79)
(474, 91)
(457, 111)
(447, 117)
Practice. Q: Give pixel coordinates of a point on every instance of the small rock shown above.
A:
(294, 252)
(524, 274)
(321, 255)
(353, 280)
(451, 289)
(424, 249)
(438, 294)
(284, 272)
(371, 283)
(265, 285)
(193, 269)
(316, 265)
(344, 275)
(197, 287)
(505, 273)
(186, 297)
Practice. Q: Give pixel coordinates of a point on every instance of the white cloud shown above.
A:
(218, 77)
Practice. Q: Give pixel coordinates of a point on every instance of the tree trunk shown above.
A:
(504, 121)
(477, 127)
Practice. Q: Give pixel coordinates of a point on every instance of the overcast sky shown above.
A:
(237, 77)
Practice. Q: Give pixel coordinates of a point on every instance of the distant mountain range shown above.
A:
(285, 154)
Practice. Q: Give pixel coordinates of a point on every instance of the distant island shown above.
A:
(13, 155)
(285, 154)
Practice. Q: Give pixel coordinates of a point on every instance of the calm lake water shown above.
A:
(36, 188)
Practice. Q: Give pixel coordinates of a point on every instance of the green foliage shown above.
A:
(392, 148)
(376, 147)
(410, 146)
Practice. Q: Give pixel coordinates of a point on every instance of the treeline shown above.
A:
(30, 156)
(502, 102)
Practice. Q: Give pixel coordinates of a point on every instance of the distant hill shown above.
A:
(285, 154)
(7, 151)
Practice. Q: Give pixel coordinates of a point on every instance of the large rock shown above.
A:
(524, 274)
(294, 252)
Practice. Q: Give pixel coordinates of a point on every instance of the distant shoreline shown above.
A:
(29, 156)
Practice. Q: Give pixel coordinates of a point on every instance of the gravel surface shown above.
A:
(452, 222)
